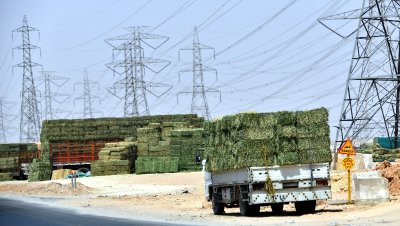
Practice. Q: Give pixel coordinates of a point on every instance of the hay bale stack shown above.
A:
(156, 165)
(148, 139)
(169, 139)
(8, 163)
(265, 139)
(380, 154)
(186, 145)
(9, 150)
(106, 128)
(40, 171)
(111, 167)
(6, 176)
(115, 158)
(9, 166)
(12, 155)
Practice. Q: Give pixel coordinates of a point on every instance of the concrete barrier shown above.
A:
(369, 188)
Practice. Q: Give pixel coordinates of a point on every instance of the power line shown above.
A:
(107, 31)
(253, 32)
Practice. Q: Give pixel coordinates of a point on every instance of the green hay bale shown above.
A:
(255, 134)
(315, 156)
(286, 118)
(286, 132)
(287, 145)
(315, 116)
(156, 165)
(322, 143)
(6, 176)
(313, 131)
(288, 158)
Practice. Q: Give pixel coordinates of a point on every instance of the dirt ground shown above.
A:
(179, 198)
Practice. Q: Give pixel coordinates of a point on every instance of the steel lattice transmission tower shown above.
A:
(30, 117)
(371, 101)
(199, 103)
(2, 128)
(49, 81)
(87, 96)
(129, 61)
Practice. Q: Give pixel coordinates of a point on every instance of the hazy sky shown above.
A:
(270, 55)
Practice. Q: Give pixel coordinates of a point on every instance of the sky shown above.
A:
(269, 55)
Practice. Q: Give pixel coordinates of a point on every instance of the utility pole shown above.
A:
(371, 100)
(49, 80)
(30, 117)
(87, 96)
(129, 61)
(199, 103)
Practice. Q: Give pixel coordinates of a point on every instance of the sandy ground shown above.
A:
(179, 198)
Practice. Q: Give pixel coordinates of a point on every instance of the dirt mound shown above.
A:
(45, 188)
(392, 173)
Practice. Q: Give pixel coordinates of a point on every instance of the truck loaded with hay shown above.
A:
(260, 159)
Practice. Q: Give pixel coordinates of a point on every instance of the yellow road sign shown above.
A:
(348, 163)
(347, 148)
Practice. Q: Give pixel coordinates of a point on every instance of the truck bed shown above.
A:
(288, 173)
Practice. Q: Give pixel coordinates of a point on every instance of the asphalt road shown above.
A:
(20, 213)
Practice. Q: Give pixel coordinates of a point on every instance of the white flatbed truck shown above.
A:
(274, 186)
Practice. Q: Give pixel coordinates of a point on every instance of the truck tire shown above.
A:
(248, 210)
(244, 207)
(305, 207)
(277, 208)
(254, 210)
(217, 205)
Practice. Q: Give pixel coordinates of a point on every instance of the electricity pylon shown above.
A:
(132, 65)
(87, 96)
(199, 103)
(30, 116)
(5, 117)
(372, 95)
(49, 81)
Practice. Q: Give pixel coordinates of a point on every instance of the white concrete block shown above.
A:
(370, 190)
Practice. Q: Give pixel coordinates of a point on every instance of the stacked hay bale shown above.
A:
(40, 170)
(154, 149)
(265, 139)
(313, 136)
(156, 165)
(106, 128)
(380, 154)
(6, 176)
(170, 142)
(60, 134)
(149, 141)
(8, 161)
(115, 158)
(186, 145)
(8, 166)
(12, 155)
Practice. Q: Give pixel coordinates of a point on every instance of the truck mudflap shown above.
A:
(294, 195)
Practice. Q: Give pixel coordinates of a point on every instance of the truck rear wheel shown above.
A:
(217, 205)
(305, 207)
(277, 208)
(248, 210)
